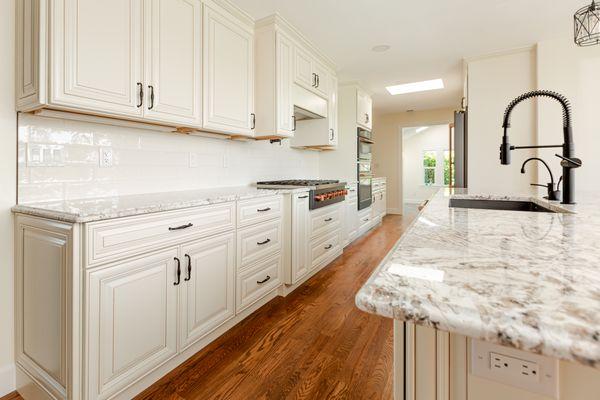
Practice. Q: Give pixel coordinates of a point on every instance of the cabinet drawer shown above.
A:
(322, 249)
(258, 281)
(258, 210)
(258, 242)
(114, 239)
(324, 220)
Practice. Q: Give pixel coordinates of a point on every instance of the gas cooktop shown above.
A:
(298, 182)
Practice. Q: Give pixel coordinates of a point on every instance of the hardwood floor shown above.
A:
(313, 344)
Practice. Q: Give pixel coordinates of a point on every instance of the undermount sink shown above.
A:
(504, 205)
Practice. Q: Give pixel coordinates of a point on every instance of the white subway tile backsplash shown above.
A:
(145, 161)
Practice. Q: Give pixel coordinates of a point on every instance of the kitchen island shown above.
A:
(523, 280)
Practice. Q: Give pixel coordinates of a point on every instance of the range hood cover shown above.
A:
(308, 105)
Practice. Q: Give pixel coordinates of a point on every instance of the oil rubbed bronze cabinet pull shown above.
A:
(189, 268)
(328, 246)
(303, 197)
(294, 125)
(151, 88)
(177, 228)
(176, 283)
(329, 220)
(264, 280)
(264, 209)
(265, 242)
(141, 94)
(253, 121)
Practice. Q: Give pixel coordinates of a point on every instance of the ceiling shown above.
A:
(428, 39)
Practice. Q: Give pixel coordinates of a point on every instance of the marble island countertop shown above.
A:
(528, 280)
(102, 208)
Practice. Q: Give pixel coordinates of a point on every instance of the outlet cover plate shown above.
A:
(512, 367)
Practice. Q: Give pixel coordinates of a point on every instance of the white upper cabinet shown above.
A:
(364, 110)
(173, 68)
(228, 73)
(303, 69)
(333, 111)
(95, 65)
(310, 73)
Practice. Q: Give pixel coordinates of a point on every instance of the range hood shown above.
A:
(308, 105)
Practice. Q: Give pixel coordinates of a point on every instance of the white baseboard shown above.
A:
(7, 379)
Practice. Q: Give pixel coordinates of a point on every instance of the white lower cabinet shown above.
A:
(258, 280)
(132, 321)
(300, 233)
(208, 288)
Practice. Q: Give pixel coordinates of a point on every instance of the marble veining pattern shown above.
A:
(88, 210)
(522, 279)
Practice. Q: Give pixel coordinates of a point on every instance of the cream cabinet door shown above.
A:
(300, 236)
(351, 222)
(333, 111)
(96, 57)
(303, 69)
(207, 287)
(132, 321)
(322, 80)
(364, 110)
(173, 68)
(228, 73)
(285, 70)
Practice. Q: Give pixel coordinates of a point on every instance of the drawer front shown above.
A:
(324, 220)
(364, 221)
(259, 241)
(323, 248)
(258, 281)
(123, 237)
(258, 210)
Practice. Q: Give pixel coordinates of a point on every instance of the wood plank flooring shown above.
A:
(313, 344)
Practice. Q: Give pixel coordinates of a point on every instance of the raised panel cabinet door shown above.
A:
(303, 69)
(333, 111)
(323, 79)
(132, 321)
(228, 73)
(352, 219)
(96, 57)
(207, 287)
(300, 236)
(173, 68)
(285, 106)
(362, 115)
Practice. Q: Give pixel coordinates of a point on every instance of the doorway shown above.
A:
(427, 163)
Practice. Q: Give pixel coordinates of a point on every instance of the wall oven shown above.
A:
(364, 168)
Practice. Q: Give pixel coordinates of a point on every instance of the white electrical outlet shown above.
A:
(193, 160)
(106, 157)
(513, 367)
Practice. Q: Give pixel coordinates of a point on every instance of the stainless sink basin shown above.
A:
(505, 205)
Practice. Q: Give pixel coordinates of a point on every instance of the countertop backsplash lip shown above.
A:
(105, 208)
(520, 279)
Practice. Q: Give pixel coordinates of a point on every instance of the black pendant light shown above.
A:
(587, 25)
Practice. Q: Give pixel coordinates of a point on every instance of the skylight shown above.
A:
(414, 87)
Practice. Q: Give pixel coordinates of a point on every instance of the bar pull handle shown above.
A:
(189, 268)
(329, 246)
(264, 209)
(151, 88)
(141, 94)
(264, 280)
(178, 228)
(263, 243)
(176, 283)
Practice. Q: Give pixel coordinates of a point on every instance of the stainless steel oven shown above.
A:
(364, 168)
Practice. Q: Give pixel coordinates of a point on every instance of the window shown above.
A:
(429, 165)
(448, 168)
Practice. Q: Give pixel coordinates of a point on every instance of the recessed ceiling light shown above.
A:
(416, 87)
(380, 48)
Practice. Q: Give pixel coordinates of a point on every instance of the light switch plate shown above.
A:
(45, 155)
(528, 371)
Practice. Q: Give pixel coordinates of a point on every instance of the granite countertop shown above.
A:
(103, 208)
(527, 280)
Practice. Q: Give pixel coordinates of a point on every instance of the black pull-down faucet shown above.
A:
(568, 163)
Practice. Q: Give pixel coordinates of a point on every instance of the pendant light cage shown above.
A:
(587, 25)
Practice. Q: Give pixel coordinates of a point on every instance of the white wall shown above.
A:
(145, 161)
(492, 83)
(434, 138)
(574, 72)
(8, 173)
